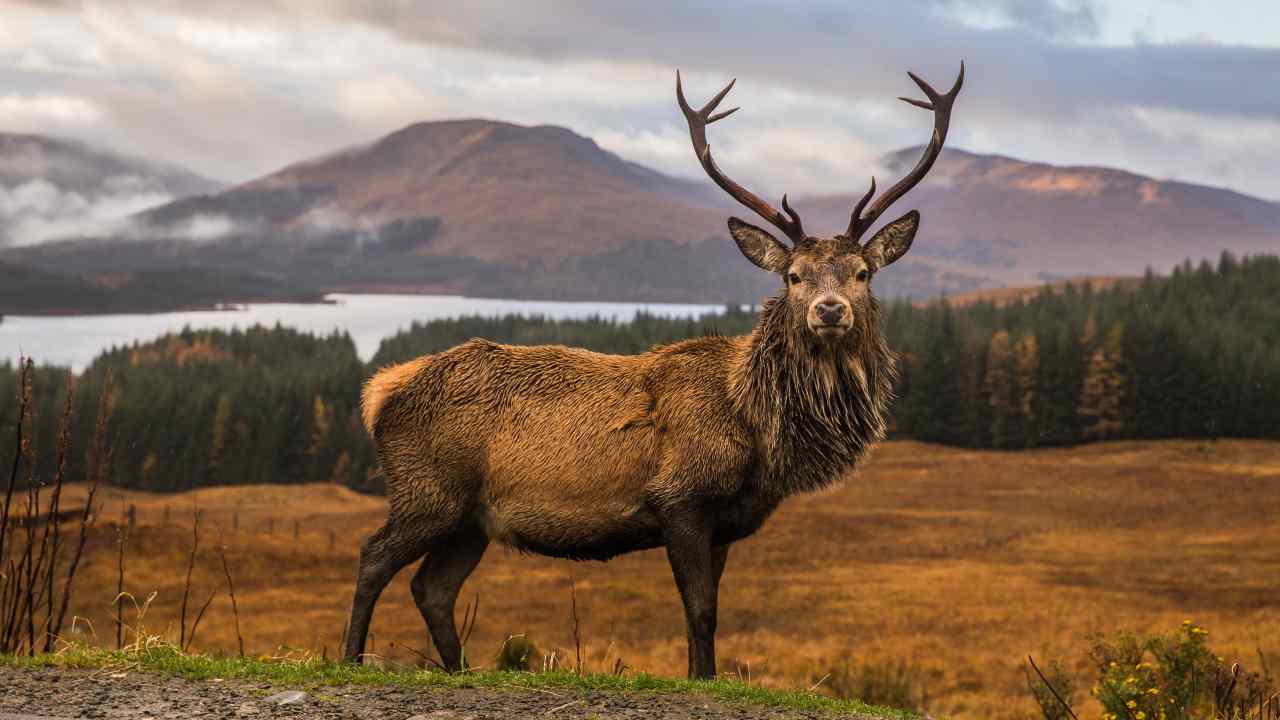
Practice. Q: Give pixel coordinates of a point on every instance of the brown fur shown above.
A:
(573, 453)
(690, 446)
(576, 454)
(379, 387)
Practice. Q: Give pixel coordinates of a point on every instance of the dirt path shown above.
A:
(59, 693)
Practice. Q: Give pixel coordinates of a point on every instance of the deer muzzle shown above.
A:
(830, 317)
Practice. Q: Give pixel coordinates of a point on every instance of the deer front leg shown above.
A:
(696, 567)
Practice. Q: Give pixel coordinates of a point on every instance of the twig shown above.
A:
(196, 624)
(51, 543)
(546, 692)
(11, 580)
(425, 657)
(814, 688)
(191, 564)
(231, 590)
(1049, 685)
(24, 398)
(122, 539)
(573, 615)
(558, 708)
(469, 614)
(99, 472)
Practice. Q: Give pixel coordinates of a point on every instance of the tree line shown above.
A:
(1193, 354)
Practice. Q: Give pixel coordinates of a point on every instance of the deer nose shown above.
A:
(830, 313)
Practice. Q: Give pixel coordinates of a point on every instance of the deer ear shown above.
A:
(760, 247)
(893, 240)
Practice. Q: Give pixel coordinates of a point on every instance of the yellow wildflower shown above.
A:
(1140, 715)
(1132, 704)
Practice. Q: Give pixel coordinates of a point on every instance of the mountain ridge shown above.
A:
(497, 209)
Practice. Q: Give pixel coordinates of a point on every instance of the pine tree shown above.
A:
(1026, 367)
(1102, 391)
(218, 441)
(998, 388)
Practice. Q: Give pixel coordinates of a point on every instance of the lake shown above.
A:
(77, 339)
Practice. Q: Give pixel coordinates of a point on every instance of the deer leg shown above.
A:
(719, 555)
(383, 554)
(436, 586)
(695, 568)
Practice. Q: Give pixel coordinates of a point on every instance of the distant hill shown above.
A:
(1021, 223)
(502, 192)
(52, 188)
(494, 209)
(30, 291)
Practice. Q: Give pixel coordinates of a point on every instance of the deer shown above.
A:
(690, 446)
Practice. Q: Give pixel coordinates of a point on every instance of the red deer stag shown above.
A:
(690, 446)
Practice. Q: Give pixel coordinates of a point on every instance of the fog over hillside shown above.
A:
(52, 189)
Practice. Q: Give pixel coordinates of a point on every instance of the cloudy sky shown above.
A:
(236, 88)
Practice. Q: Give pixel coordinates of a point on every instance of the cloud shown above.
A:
(38, 112)
(1054, 20)
(237, 88)
(38, 211)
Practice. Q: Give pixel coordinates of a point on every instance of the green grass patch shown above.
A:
(312, 672)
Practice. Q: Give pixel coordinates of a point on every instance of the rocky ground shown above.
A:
(61, 693)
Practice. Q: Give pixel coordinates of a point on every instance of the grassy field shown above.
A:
(949, 565)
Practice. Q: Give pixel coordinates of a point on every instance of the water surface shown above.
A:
(75, 340)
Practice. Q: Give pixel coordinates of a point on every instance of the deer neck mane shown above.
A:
(815, 409)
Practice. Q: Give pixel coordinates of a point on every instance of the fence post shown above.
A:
(133, 517)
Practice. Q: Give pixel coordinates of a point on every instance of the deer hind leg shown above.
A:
(383, 554)
(436, 586)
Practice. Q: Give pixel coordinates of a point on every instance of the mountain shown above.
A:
(502, 192)
(52, 188)
(1017, 222)
(473, 207)
(31, 291)
(494, 209)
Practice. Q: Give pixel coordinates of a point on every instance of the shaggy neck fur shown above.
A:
(816, 407)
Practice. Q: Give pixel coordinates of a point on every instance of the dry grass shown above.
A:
(1003, 296)
(957, 562)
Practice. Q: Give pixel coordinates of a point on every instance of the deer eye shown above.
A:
(863, 275)
(793, 278)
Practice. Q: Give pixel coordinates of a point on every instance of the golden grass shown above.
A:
(1004, 296)
(959, 561)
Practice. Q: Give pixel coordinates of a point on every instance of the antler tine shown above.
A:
(698, 121)
(857, 211)
(940, 104)
(795, 216)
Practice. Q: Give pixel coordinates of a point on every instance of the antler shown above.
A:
(698, 121)
(941, 106)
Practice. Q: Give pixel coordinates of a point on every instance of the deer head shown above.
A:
(827, 280)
